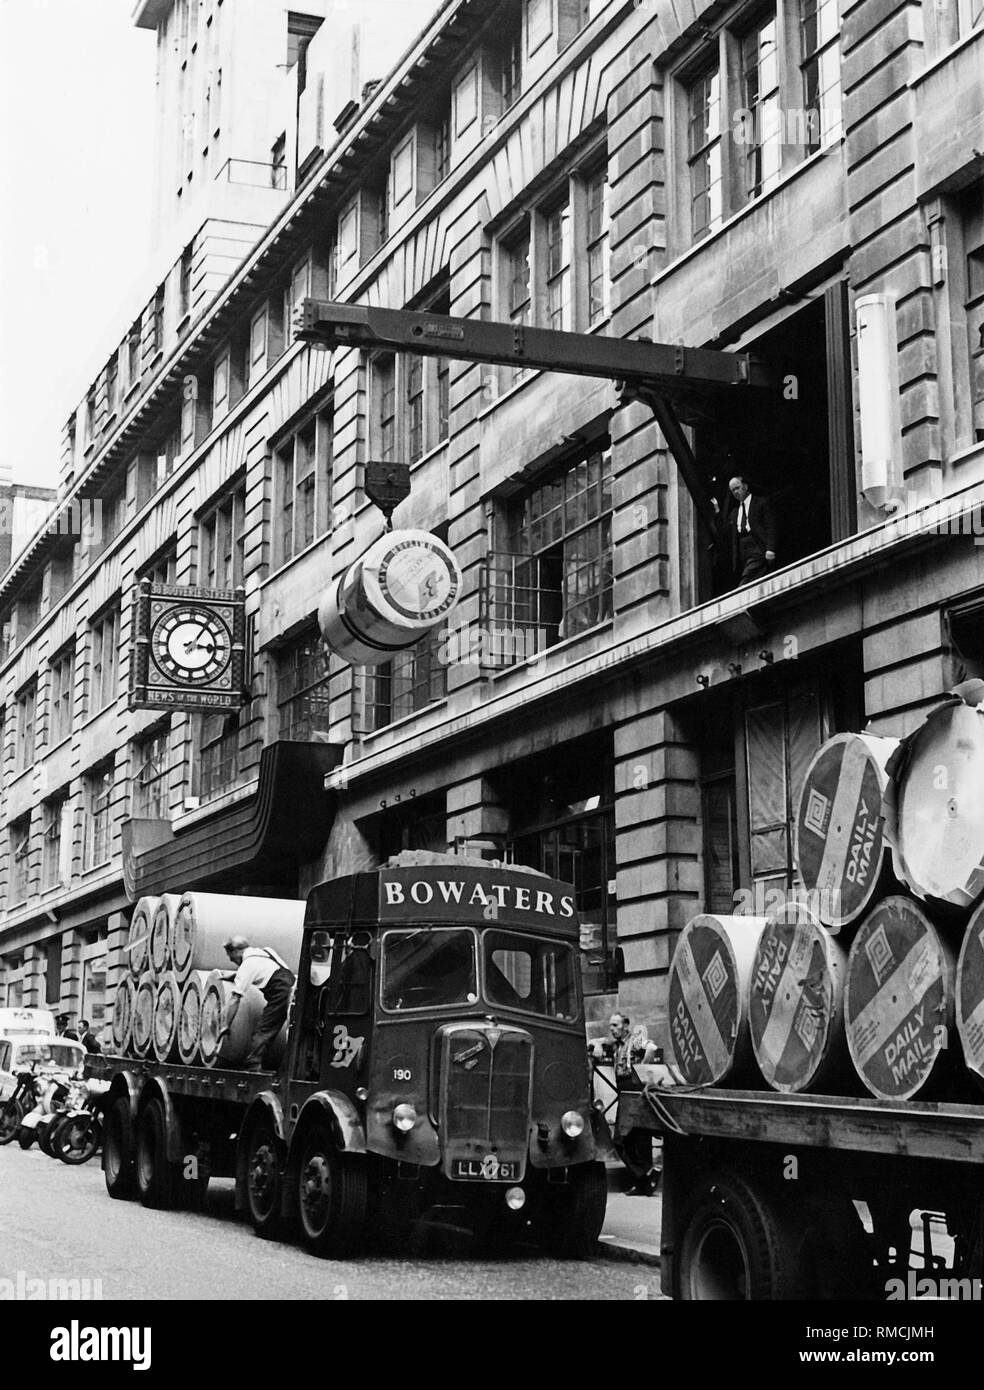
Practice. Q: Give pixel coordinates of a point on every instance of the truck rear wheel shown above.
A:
(118, 1155)
(263, 1183)
(157, 1176)
(737, 1245)
(332, 1195)
(573, 1213)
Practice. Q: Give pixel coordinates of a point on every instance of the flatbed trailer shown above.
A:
(775, 1196)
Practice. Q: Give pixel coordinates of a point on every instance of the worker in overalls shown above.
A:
(264, 968)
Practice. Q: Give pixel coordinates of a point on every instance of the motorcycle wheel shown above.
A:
(26, 1137)
(77, 1139)
(11, 1115)
(45, 1131)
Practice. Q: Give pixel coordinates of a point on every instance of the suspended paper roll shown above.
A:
(708, 998)
(935, 811)
(899, 1001)
(138, 940)
(160, 933)
(406, 583)
(142, 1031)
(167, 1006)
(796, 1003)
(841, 850)
(204, 922)
(970, 995)
(190, 1017)
(123, 1015)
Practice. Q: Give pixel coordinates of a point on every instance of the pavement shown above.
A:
(632, 1221)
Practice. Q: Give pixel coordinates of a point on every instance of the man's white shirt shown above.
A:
(257, 968)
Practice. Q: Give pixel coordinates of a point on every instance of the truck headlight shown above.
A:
(572, 1123)
(404, 1117)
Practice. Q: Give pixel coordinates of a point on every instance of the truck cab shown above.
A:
(438, 1028)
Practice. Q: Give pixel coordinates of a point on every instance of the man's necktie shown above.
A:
(743, 522)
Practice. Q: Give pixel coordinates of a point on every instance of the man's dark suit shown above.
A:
(748, 550)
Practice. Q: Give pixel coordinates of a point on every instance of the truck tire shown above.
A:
(332, 1195)
(264, 1184)
(11, 1115)
(157, 1176)
(573, 1213)
(738, 1243)
(118, 1161)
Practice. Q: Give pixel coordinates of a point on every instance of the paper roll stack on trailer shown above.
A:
(796, 1004)
(142, 1032)
(970, 996)
(138, 938)
(190, 1017)
(708, 999)
(203, 922)
(841, 850)
(122, 1025)
(899, 1002)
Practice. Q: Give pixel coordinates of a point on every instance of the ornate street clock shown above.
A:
(188, 648)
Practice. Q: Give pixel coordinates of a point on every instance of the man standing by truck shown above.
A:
(264, 968)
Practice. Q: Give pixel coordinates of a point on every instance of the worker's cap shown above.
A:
(237, 943)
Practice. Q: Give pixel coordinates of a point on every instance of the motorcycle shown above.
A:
(13, 1111)
(52, 1094)
(77, 1134)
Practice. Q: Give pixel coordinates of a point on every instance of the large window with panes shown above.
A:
(104, 636)
(151, 769)
(553, 263)
(963, 233)
(551, 577)
(20, 859)
(97, 787)
(61, 694)
(748, 104)
(302, 468)
(410, 396)
(221, 543)
(26, 709)
(407, 683)
(56, 842)
(302, 689)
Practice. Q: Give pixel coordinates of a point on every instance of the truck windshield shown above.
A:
(522, 972)
(428, 967)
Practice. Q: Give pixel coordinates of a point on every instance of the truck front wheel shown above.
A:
(332, 1195)
(118, 1156)
(573, 1212)
(263, 1184)
(737, 1244)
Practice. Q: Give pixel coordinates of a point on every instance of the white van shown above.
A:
(38, 1053)
(18, 1023)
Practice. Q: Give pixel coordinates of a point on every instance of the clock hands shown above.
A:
(200, 646)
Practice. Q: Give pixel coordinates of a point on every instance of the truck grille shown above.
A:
(485, 1094)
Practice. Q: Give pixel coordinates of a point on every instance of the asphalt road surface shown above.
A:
(57, 1222)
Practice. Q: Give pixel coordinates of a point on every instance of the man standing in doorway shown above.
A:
(271, 975)
(753, 532)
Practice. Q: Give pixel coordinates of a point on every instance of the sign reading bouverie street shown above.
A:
(449, 894)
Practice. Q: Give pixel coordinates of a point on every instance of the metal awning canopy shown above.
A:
(660, 375)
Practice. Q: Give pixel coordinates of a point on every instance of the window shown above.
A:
(105, 656)
(302, 480)
(760, 92)
(521, 972)
(20, 859)
(302, 691)
(158, 320)
(410, 681)
(152, 766)
(780, 740)
(184, 283)
(559, 251)
(97, 836)
(163, 568)
(168, 453)
(820, 68)
(704, 153)
(345, 260)
(219, 760)
(278, 163)
(53, 971)
(90, 417)
(509, 58)
(56, 846)
(221, 542)
(62, 694)
(300, 288)
(112, 384)
(518, 275)
(442, 148)
(26, 706)
(428, 970)
(220, 385)
(383, 389)
(965, 233)
(62, 570)
(29, 607)
(553, 578)
(133, 355)
(599, 248)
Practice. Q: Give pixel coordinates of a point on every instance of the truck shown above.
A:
(770, 1196)
(435, 1058)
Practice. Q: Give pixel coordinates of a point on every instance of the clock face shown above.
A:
(191, 645)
